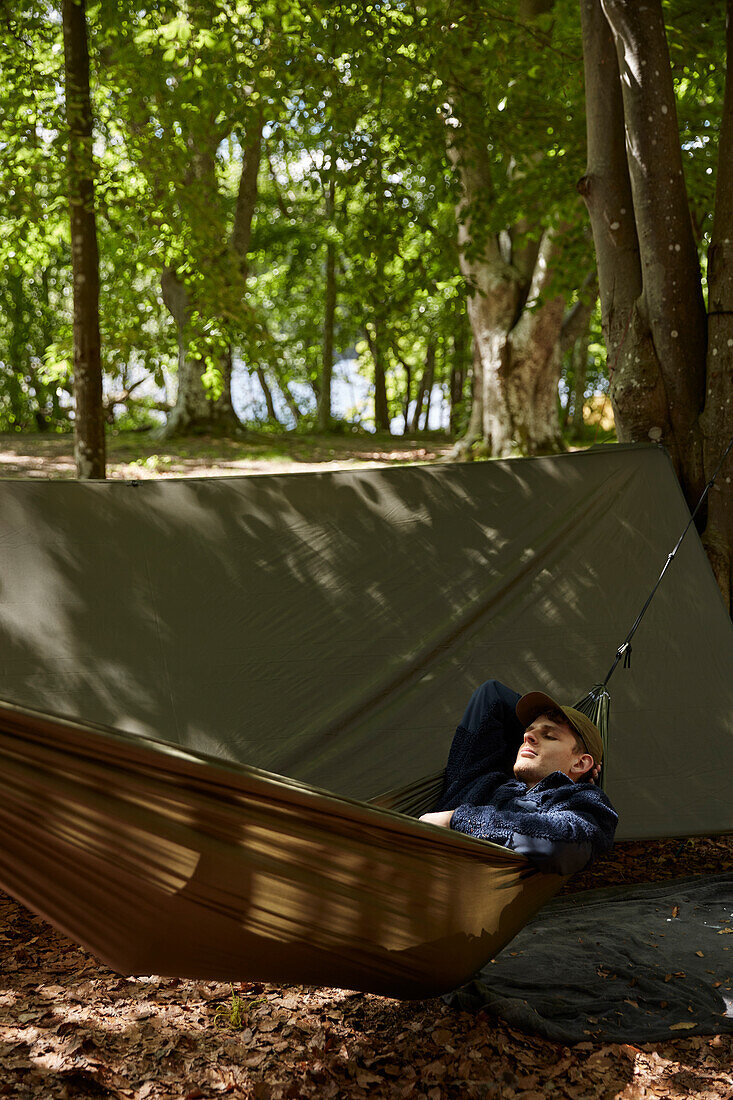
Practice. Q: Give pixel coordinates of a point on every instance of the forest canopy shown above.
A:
(275, 193)
(212, 212)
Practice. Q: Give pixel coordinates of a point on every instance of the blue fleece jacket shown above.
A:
(558, 824)
(561, 826)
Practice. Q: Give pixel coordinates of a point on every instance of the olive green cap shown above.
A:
(533, 704)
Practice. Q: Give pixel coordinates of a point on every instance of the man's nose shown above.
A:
(530, 737)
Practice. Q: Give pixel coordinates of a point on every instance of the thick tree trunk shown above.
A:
(287, 396)
(534, 343)
(671, 377)
(717, 416)
(516, 339)
(649, 276)
(89, 442)
(195, 409)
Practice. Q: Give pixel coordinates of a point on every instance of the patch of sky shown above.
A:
(352, 398)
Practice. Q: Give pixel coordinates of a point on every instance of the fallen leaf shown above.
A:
(683, 1025)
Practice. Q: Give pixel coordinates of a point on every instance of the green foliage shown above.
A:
(357, 102)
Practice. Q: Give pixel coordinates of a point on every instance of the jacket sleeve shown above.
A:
(560, 839)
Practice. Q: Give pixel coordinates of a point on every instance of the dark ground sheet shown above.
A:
(629, 964)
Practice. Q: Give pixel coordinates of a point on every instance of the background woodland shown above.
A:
(211, 210)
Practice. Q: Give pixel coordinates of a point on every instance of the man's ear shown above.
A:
(582, 766)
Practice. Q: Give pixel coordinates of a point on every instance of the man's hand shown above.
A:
(594, 773)
(442, 817)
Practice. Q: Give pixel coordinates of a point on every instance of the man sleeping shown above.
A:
(521, 773)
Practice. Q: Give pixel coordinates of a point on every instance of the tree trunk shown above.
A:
(716, 420)
(381, 405)
(426, 384)
(580, 370)
(462, 448)
(408, 391)
(649, 274)
(457, 377)
(287, 397)
(329, 317)
(271, 414)
(195, 409)
(670, 365)
(515, 338)
(89, 442)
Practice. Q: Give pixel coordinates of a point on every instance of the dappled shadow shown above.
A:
(330, 627)
(69, 1033)
(158, 861)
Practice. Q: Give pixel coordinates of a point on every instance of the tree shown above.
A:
(510, 136)
(89, 443)
(672, 373)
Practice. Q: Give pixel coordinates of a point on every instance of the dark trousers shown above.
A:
(486, 742)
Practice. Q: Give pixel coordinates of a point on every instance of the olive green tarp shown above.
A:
(205, 639)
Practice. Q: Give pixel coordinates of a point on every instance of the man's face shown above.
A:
(548, 746)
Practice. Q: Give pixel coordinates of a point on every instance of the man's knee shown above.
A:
(493, 691)
(492, 698)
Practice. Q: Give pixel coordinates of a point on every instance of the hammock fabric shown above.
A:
(161, 862)
(205, 639)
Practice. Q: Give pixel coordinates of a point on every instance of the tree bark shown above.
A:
(329, 316)
(649, 276)
(271, 413)
(462, 448)
(457, 377)
(89, 441)
(429, 382)
(408, 394)
(424, 388)
(195, 409)
(580, 370)
(381, 405)
(717, 416)
(515, 338)
(670, 373)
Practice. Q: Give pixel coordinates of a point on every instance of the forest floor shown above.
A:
(71, 1027)
(140, 456)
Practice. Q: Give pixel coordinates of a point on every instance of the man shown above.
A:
(551, 811)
